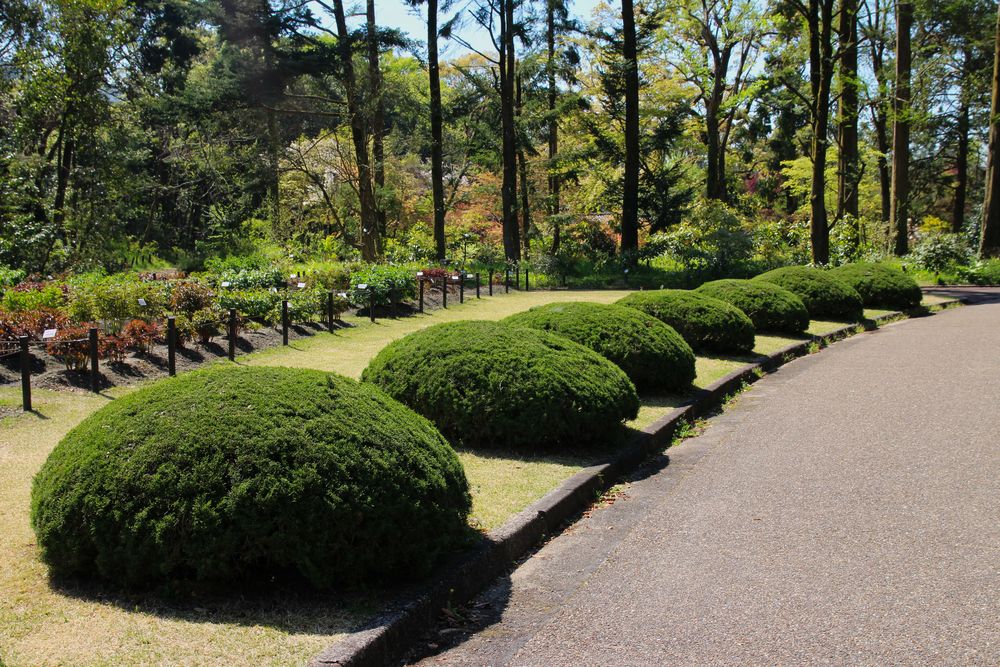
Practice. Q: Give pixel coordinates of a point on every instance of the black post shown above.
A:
(444, 292)
(477, 287)
(284, 321)
(421, 282)
(371, 303)
(517, 277)
(171, 346)
(506, 283)
(329, 310)
(491, 283)
(526, 286)
(461, 288)
(25, 374)
(95, 371)
(232, 334)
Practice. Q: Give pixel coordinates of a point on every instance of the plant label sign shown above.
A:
(226, 284)
(302, 285)
(142, 302)
(48, 333)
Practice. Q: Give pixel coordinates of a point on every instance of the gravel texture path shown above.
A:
(845, 510)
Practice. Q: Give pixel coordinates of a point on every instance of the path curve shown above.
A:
(846, 510)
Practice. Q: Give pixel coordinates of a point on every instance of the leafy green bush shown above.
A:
(115, 300)
(881, 286)
(10, 277)
(825, 296)
(304, 305)
(705, 323)
(258, 304)
(712, 238)
(33, 297)
(769, 307)
(488, 384)
(651, 353)
(237, 475)
(188, 297)
(391, 284)
(940, 252)
(986, 272)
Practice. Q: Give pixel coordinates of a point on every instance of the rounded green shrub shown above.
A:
(652, 354)
(489, 384)
(232, 475)
(705, 323)
(881, 286)
(826, 297)
(769, 307)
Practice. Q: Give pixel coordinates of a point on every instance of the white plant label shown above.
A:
(48, 333)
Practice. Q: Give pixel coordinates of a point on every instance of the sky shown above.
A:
(398, 14)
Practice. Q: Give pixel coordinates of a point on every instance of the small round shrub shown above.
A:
(233, 475)
(705, 323)
(825, 296)
(489, 384)
(769, 307)
(652, 354)
(881, 286)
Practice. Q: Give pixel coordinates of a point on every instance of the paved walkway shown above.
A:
(846, 510)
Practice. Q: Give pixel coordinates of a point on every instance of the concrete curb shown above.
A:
(388, 637)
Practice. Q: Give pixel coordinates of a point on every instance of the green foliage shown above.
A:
(45, 296)
(10, 277)
(707, 324)
(825, 296)
(188, 297)
(986, 272)
(114, 300)
(940, 252)
(207, 324)
(652, 354)
(304, 305)
(240, 475)
(257, 304)
(488, 384)
(711, 240)
(769, 307)
(252, 278)
(390, 284)
(881, 285)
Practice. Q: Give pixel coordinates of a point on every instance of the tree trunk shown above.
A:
(989, 243)
(630, 199)
(715, 177)
(523, 177)
(274, 163)
(378, 117)
(820, 20)
(550, 70)
(901, 131)
(369, 222)
(437, 141)
(961, 169)
(511, 235)
(848, 170)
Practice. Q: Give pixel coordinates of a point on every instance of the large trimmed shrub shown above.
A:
(236, 475)
(706, 323)
(881, 286)
(826, 297)
(489, 384)
(652, 354)
(769, 307)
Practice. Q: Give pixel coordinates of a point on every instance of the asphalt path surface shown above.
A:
(845, 510)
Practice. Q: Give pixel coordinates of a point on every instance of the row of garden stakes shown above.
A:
(94, 348)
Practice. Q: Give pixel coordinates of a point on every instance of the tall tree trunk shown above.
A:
(369, 222)
(961, 170)
(881, 125)
(900, 208)
(630, 199)
(273, 166)
(820, 20)
(989, 242)
(715, 177)
(378, 116)
(523, 178)
(848, 170)
(437, 141)
(508, 188)
(550, 71)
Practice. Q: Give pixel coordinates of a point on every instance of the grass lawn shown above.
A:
(45, 624)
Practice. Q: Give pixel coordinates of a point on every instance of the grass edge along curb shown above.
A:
(386, 639)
